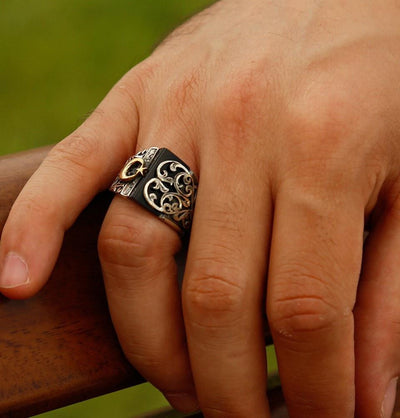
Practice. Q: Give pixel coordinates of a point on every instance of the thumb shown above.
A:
(69, 177)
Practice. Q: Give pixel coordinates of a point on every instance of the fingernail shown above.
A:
(15, 272)
(389, 399)
(184, 402)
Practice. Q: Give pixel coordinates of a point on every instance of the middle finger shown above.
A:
(223, 289)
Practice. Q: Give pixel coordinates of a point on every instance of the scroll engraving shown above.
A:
(172, 192)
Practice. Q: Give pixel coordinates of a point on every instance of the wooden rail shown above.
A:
(59, 347)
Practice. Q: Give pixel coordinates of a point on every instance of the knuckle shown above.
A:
(242, 108)
(140, 77)
(322, 108)
(211, 296)
(77, 149)
(325, 127)
(185, 89)
(296, 316)
(238, 103)
(129, 97)
(158, 363)
(29, 205)
(238, 97)
(125, 243)
(306, 306)
(180, 101)
(156, 366)
(320, 122)
(144, 359)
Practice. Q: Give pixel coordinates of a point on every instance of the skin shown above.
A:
(288, 112)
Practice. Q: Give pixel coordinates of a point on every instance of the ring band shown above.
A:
(162, 183)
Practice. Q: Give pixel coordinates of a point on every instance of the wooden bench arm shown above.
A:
(58, 347)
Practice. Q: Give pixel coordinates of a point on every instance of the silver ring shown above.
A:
(162, 183)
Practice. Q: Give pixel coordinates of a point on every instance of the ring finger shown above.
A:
(137, 253)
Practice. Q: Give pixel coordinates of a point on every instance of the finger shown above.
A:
(137, 255)
(312, 284)
(377, 317)
(223, 288)
(73, 172)
(137, 252)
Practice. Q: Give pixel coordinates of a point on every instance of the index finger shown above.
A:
(74, 171)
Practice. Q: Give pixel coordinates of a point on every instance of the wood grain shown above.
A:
(58, 347)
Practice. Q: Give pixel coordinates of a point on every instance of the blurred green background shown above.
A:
(58, 59)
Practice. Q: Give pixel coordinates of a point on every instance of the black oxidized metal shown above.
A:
(162, 183)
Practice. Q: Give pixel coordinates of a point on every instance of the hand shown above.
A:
(289, 115)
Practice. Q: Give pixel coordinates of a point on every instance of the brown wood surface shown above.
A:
(59, 347)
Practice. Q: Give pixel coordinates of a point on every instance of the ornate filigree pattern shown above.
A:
(172, 192)
(162, 183)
